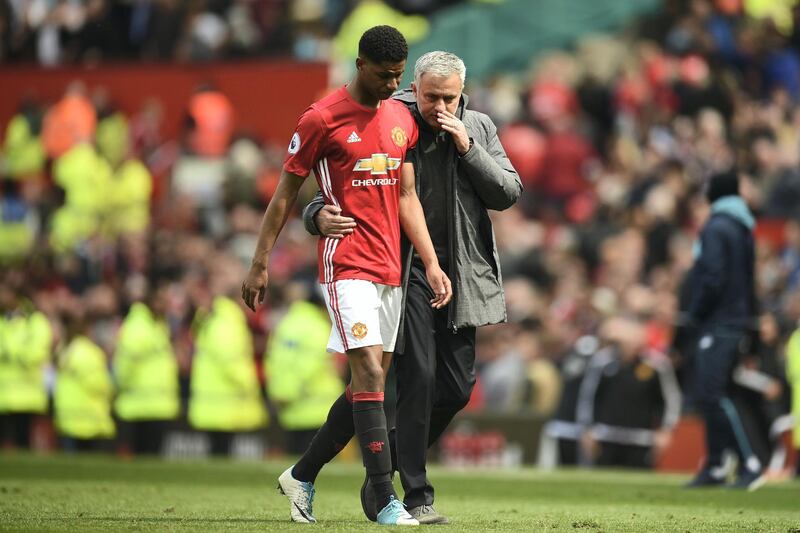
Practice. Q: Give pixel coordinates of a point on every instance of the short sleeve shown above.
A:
(306, 144)
(414, 136)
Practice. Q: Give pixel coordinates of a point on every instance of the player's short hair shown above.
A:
(440, 63)
(383, 44)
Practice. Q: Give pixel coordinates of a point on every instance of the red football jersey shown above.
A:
(356, 153)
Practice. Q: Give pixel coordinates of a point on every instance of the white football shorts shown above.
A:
(363, 313)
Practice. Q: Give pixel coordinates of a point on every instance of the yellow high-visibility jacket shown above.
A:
(145, 368)
(301, 376)
(25, 342)
(83, 392)
(793, 377)
(225, 393)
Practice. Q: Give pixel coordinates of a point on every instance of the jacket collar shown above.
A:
(736, 208)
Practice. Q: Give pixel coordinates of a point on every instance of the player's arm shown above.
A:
(255, 284)
(412, 220)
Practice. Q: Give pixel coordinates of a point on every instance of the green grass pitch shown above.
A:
(95, 493)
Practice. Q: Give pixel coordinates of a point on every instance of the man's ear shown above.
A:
(414, 88)
(360, 62)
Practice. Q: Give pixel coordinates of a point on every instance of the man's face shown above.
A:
(381, 80)
(436, 94)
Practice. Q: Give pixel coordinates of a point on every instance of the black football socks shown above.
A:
(334, 435)
(370, 425)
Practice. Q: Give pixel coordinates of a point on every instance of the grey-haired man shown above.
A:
(462, 171)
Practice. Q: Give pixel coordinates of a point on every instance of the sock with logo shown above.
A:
(370, 423)
(334, 435)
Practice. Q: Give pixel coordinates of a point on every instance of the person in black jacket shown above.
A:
(723, 310)
(629, 400)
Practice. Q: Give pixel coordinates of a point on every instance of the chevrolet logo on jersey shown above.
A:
(378, 164)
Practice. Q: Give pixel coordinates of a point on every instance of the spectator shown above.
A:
(629, 400)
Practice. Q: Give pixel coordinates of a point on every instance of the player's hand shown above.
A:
(331, 224)
(440, 283)
(453, 125)
(254, 287)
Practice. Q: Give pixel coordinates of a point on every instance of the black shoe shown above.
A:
(368, 503)
(749, 481)
(704, 478)
(426, 514)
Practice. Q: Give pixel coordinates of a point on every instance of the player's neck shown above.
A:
(361, 96)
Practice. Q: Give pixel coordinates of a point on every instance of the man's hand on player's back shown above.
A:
(331, 223)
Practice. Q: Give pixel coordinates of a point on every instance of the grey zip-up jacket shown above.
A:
(482, 179)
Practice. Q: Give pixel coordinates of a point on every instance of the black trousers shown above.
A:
(626, 455)
(221, 443)
(435, 376)
(143, 437)
(15, 429)
(718, 352)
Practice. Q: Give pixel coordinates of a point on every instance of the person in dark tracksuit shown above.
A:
(629, 400)
(723, 309)
(462, 171)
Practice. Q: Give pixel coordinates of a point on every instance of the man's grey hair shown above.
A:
(440, 63)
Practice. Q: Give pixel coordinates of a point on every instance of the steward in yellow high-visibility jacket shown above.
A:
(793, 377)
(131, 187)
(146, 375)
(83, 392)
(225, 393)
(23, 148)
(86, 178)
(25, 345)
(113, 137)
(301, 376)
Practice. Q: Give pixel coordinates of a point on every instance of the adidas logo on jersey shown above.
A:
(354, 138)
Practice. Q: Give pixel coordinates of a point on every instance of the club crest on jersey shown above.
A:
(294, 144)
(359, 330)
(399, 136)
(378, 164)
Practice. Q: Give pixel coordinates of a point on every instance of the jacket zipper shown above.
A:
(451, 215)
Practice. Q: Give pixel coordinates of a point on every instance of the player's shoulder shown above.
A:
(330, 101)
(325, 108)
(398, 107)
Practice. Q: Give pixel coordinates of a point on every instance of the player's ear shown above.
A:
(360, 62)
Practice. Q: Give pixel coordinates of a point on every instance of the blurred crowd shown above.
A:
(64, 32)
(614, 141)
